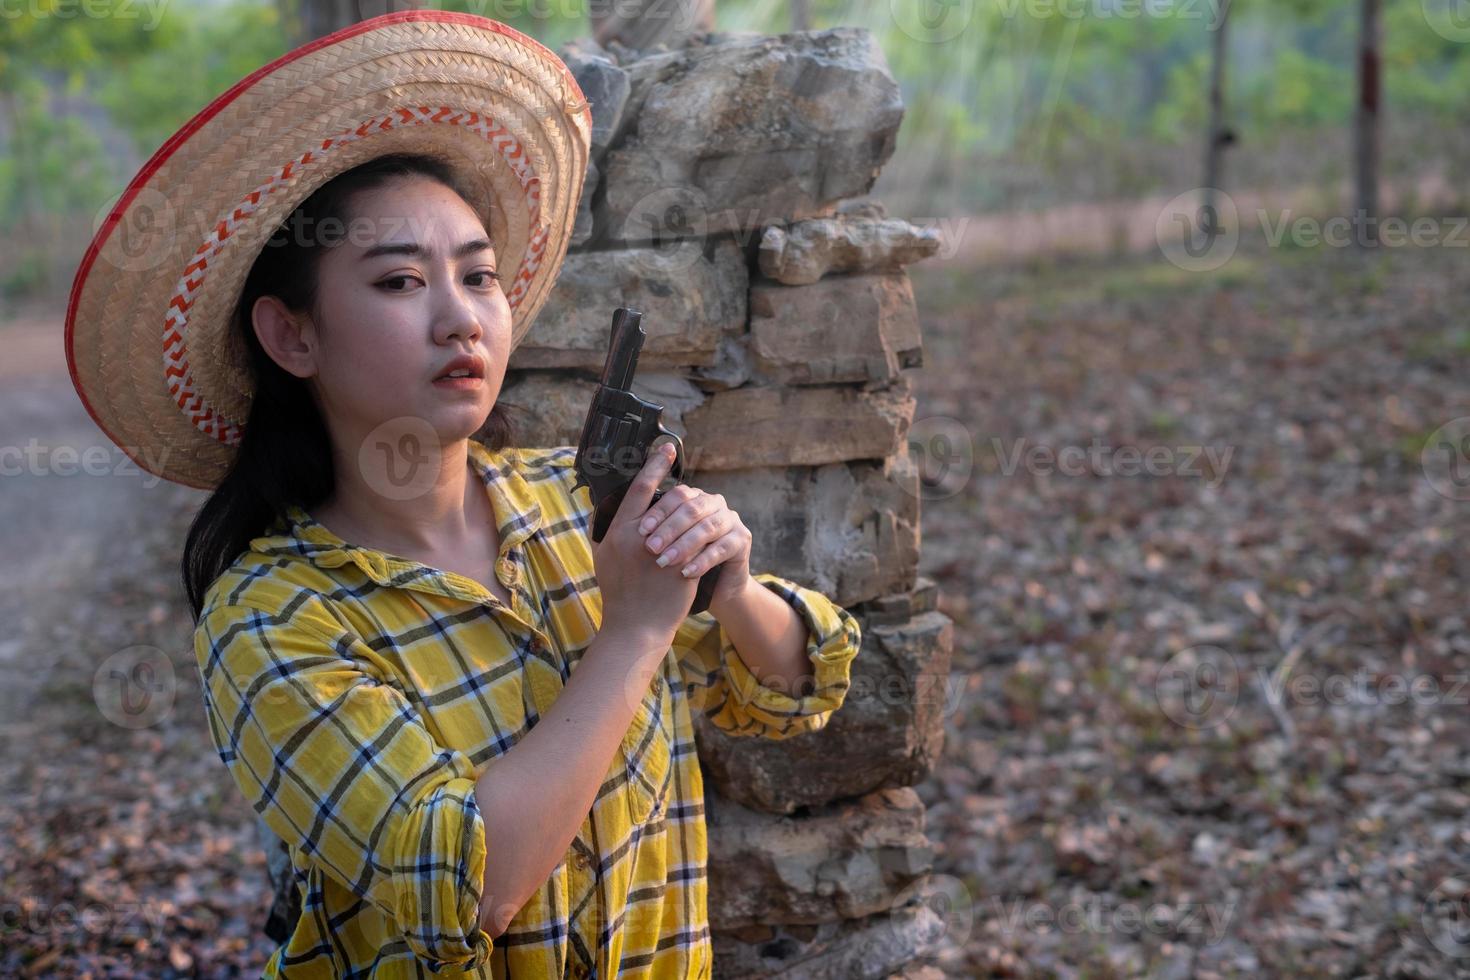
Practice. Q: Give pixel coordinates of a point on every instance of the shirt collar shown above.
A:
(517, 511)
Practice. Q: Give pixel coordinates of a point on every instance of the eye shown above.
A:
(392, 289)
(494, 276)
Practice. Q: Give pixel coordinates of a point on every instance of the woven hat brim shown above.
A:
(149, 342)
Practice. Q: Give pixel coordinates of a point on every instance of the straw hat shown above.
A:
(148, 338)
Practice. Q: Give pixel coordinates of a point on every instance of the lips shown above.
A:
(471, 363)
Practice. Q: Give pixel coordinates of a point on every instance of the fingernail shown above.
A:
(688, 570)
(654, 543)
(647, 525)
(664, 559)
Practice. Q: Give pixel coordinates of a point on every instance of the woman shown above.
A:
(471, 727)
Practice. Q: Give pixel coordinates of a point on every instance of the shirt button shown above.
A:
(508, 571)
(580, 860)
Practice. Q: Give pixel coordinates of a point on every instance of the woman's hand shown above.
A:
(694, 531)
(638, 594)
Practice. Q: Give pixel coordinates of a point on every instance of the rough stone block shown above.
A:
(848, 530)
(845, 328)
(856, 949)
(888, 610)
(550, 407)
(889, 731)
(841, 861)
(606, 87)
(547, 408)
(804, 251)
(752, 129)
(688, 300)
(776, 426)
(731, 367)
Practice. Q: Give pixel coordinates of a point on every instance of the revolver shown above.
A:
(620, 430)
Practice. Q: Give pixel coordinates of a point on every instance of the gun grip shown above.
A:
(602, 518)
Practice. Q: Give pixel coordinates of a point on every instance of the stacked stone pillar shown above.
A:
(725, 200)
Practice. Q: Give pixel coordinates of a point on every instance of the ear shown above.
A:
(288, 338)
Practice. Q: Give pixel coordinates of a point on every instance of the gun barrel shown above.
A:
(622, 352)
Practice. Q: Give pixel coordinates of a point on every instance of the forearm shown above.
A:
(769, 635)
(534, 798)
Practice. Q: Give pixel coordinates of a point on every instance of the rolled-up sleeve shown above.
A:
(338, 763)
(723, 687)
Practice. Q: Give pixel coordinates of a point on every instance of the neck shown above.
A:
(432, 519)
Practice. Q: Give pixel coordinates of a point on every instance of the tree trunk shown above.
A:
(27, 169)
(307, 20)
(1370, 85)
(801, 15)
(1218, 136)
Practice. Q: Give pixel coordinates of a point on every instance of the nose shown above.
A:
(457, 317)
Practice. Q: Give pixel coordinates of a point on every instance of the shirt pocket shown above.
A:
(648, 753)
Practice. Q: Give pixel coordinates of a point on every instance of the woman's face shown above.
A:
(410, 287)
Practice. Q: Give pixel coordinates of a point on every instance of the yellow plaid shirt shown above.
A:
(355, 696)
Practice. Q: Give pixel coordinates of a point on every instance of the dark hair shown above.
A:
(284, 456)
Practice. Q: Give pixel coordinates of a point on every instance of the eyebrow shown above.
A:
(414, 248)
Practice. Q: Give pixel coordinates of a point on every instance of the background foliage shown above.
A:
(1035, 102)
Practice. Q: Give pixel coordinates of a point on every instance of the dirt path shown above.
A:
(124, 854)
(72, 501)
